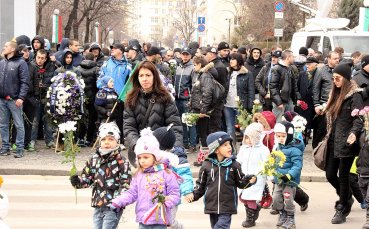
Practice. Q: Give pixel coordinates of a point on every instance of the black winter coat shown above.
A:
(222, 72)
(160, 115)
(254, 66)
(41, 79)
(104, 103)
(362, 79)
(261, 82)
(283, 85)
(14, 78)
(322, 85)
(89, 73)
(100, 59)
(245, 87)
(346, 124)
(202, 91)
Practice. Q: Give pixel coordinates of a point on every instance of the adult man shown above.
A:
(154, 56)
(283, 85)
(254, 63)
(134, 55)
(38, 42)
(15, 83)
(361, 77)
(322, 85)
(99, 57)
(118, 68)
(77, 56)
(223, 50)
(263, 80)
(182, 86)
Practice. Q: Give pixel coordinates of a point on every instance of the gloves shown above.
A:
(249, 177)
(286, 178)
(114, 207)
(74, 180)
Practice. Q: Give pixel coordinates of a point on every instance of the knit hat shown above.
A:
(287, 128)
(94, 45)
(303, 51)
(214, 140)
(242, 50)
(343, 70)
(254, 131)
(223, 45)
(109, 129)
(148, 143)
(105, 80)
(166, 137)
(364, 61)
(153, 51)
(289, 115)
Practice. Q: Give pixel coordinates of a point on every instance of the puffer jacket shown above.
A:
(100, 59)
(218, 183)
(14, 78)
(202, 92)
(322, 85)
(221, 72)
(64, 44)
(245, 87)
(108, 175)
(361, 77)
(42, 41)
(183, 80)
(160, 115)
(345, 124)
(283, 85)
(294, 160)
(89, 72)
(104, 103)
(65, 66)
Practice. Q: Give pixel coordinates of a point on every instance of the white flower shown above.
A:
(256, 102)
(48, 95)
(67, 126)
(237, 98)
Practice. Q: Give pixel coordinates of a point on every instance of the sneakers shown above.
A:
(50, 145)
(289, 223)
(31, 146)
(81, 143)
(363, 205)
(339, 217)
(14, 147)
(19, 154)
(282, 218)
(4, 152)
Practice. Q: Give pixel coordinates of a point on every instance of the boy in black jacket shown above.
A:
(220, 175)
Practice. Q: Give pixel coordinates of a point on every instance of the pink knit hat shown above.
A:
(148, 143)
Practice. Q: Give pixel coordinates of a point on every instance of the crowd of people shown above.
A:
(209, 81)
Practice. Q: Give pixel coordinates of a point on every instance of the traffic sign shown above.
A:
(278, 15)
(278, 6)
(278, 32)
(201, 28)
(200, 20)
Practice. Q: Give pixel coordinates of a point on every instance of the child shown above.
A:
(285, 188)
(354, 185)
(219, 176)
(152, 182)
(109, 174)
(105, 99)
(252, 155)
(362, 164)
(178, 163)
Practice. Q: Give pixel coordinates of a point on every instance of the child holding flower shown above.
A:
(288, 175)
(251, 156)
(219, 176)
(154, 187)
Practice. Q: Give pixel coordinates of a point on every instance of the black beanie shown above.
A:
(304, 51)
(166, 137)
(343, 70)
(287, 128)
(364, 61)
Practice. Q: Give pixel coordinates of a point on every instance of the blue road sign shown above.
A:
(279, 6)
(201, 28)
(201, 20)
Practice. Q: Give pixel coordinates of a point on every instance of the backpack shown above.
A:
(218, 91)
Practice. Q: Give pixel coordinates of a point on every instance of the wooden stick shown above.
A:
(57, 141)
(107, 120)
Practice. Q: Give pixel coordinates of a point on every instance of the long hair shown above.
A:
(159, 93)
(337, 96)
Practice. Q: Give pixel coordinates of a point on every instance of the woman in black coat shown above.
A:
(148, 93)
(344, 131)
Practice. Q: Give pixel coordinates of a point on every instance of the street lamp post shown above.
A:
(57, 20)
(229, 29)
(97, 24)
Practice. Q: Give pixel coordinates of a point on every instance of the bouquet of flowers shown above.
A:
(276, 159)
(299, 123)
(190, 119)
(155, 186)
(244, 118)
(304, 106)
(364, 115)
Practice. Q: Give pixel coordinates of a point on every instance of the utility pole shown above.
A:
(229, 30)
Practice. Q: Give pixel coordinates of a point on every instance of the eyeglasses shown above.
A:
(336, 78)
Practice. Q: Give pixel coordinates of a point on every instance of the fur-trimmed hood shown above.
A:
(243, 70)
(354, 89)
(207, 67)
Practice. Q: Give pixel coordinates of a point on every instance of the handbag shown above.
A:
(320, 152)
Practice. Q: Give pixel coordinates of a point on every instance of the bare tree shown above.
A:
(40, 7)
(185, 23)
(71, 19)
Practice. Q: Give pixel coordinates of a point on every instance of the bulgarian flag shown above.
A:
(57, 29)
(128, 86)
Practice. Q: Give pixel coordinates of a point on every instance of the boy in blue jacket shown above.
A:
(285, 189)
(177, 159)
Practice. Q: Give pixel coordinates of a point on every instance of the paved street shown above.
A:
(45, 202)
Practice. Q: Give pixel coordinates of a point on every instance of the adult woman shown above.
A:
(240, 85)
(148, 104)
(344, 130)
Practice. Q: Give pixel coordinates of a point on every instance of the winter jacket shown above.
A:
(252, 160)
(89, 72)
(345, 124)
(77, 59)
(202, 92)
(225, 61)
(322, 85)
(182, 80)
(65, 66)
(222, 72)
(138, 58)
(160, 115)
(362, 162)
(104, 103)
(101, 59)
(293, 164)
(245, 87)
(64, 44)
(254, 66)
(361, 77)
(283, 85)
(119, 70)
(14, 78)
(138, 192)
(183, 169)
(108, 175)
(42, 41)
(261, 82)
(218, 183)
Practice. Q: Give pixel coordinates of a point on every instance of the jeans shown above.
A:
(220, 221)
(7, 108)
(230, 114)
(279, 112)
(153, 226)
(189, 132)
(40, 115)
(104, 218)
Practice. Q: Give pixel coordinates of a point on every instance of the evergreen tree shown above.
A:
(350, 9)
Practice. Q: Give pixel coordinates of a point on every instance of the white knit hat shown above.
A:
(148, 143)
(254, 132)
(109, 128)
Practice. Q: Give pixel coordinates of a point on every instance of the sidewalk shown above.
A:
(46, 162)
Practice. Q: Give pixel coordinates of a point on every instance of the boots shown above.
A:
(339, 217)
(250, 217)
(289, 223)
(282, 218)
(347, 209)
(257, 212)
(366, 225)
